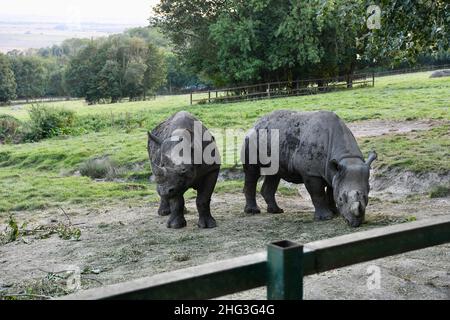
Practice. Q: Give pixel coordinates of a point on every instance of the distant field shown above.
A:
(44, 174)
(24, 35)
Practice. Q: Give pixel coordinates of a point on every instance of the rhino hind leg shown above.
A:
(204, 193)
(164, 207)
(268, 191)
(316, 189)
(176, 218)
(252, 175)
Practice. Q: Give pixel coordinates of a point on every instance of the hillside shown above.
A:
(47, 173)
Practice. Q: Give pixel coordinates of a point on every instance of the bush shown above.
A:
(102, 168)
(440, 192)
(9, 129)
(49, 122)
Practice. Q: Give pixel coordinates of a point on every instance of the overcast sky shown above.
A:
(74, 11)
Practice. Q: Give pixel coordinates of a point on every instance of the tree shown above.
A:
(237, 41)
(109, 81)
(155, 73)
(178, 75)
(7, 80)
(30, 76)
(134, 79)
(409, 29)
(80, 76)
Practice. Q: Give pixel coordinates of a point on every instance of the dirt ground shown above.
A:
(373, 128)
(119, 244)
(124, 243)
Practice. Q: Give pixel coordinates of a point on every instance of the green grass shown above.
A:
(418, 152)
(412, 96)
(44, 174)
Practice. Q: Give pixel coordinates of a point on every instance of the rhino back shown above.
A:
(165, 130)
(309, 141)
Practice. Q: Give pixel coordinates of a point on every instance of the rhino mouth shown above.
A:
(354, 223)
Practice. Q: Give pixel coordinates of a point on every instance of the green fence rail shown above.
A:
(281, 269)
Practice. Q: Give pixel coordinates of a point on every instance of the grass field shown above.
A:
(44, 174)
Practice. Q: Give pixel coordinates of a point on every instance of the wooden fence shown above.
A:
(411, 70)
(281, 269)
(281, 89)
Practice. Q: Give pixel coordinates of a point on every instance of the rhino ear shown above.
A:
(154, 138)
(372, 157)
(335, 166)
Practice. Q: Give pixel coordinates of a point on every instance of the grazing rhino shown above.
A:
(317, 149)
(175, 177)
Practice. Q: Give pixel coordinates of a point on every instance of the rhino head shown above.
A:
(172, 177)
(351, 188)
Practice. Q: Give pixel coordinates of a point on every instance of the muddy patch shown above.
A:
(397, 183)
(373, 128)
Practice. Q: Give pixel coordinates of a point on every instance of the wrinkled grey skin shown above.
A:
(317, 149)
(174, 180)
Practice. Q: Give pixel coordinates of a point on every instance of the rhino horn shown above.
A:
(159, 171)
(372, 157)
(154, 138)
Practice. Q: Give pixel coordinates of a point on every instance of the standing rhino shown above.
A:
(317, 149)
(175, 177)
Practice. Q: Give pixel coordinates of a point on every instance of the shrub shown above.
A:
(102, 168)
(440, 192)
(49, 122)
(9, 129)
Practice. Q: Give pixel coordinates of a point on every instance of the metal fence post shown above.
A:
(284, 271)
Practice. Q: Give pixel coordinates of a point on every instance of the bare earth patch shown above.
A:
(123, 243)
(373, 128)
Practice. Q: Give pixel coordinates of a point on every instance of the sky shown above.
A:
(79, 11)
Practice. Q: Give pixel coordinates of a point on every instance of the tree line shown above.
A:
(132, 65)
(242, 42)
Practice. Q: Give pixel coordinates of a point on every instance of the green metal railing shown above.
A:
(282, 268)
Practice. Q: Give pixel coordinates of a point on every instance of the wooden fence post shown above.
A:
(191, 98)
(373, 79)
(268, 90)
(209, 96)
(284, 271)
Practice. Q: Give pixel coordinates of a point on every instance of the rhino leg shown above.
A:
(164, 207)
(316, 189)
(176, 219)
(331, 202)
(252, 175)
(268, 191)
(204, 193)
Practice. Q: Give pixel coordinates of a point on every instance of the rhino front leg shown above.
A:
(204, 193)
(164, 207)
(268, 191)
(176, 219)
(316, 189)
(331, 202)
(252, 175)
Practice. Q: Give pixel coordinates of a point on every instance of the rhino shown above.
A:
(318, 150)
(174, 177)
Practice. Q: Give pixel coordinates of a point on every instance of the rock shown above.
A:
(440, 73)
